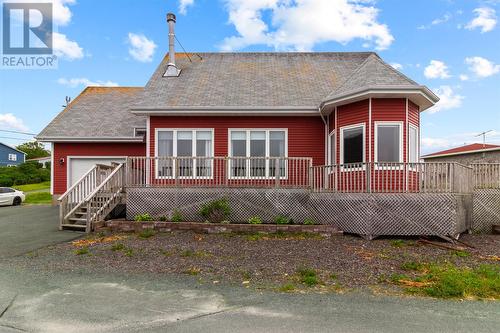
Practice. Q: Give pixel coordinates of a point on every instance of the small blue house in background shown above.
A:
(10, 156)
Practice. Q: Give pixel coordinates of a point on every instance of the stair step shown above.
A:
(76, 219)
(73, 226)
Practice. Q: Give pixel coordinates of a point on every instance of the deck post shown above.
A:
(277, 172)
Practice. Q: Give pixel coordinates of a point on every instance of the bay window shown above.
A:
(252, 153)
(183, 150)
(352, 144)
(389, 142)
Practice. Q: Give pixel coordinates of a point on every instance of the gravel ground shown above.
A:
(341, 262)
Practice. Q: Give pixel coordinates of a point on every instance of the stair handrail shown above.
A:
(119, 184)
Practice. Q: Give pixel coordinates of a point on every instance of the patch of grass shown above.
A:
(168, 253)
(395, 278)
(33, 187)
(246, 275)
(146, 233)
(143, 217)
(38, 198)
(216, 211)
(282, 219)
(128, 252)
(255, 220)
(308, 276)
(398, 243)
(82, 251)
(117, 247)
(450, 281)
(287, 287)
(334, 277)
(412, 266)
(461, 254)
(192, 271)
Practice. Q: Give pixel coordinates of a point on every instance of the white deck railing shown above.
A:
(486, 175)
(378, 177)
(289, 172)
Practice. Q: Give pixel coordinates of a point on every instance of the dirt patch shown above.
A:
(275, 261)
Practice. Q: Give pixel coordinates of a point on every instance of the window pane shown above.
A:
(353, 145)
(165, 143)
(413, 145)
(332, 150)
(388, 143)
(204, 148)
(238, 149)
(277, 149)
(257, 149)
(185, 148)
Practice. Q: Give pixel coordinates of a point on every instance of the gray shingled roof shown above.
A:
(249, 80)
(227, 82)
(98, 112)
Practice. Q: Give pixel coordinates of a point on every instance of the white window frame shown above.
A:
(13, 157)
(417, 145)
(174, 151)
(401, 143)
(332, 160)
(342, 129)
(268, 142)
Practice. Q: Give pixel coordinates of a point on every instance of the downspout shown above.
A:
(326, 134)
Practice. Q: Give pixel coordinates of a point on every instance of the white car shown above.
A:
(11, 197)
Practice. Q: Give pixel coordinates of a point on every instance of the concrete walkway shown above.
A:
(27, 228)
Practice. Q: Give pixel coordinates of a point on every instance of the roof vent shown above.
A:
(172, 69)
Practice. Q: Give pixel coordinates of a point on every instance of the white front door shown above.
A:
(78, 166)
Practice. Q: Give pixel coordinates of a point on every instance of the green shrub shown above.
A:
(255, 220)
(216, 211)
(177, 216)
(6, 181)
(26, 173)
(412, 266)
(309, 221)
(163, 219)
(143, 217)
(281, 219)
(397, 243)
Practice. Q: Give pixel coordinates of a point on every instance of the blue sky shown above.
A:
(449, 45)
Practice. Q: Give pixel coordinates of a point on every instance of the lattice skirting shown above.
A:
(365, 214)
(486, 211)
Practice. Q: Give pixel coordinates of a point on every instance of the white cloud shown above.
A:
(61, 12)
(397, 66)
(65, 48)
(183, 5)
(445, 18)
(141, 48)
(9, 121)
(436, 69)
(485, 19)
(75, 82)
(482, 67)
(448, 99)
(299, 25)
(464, 77)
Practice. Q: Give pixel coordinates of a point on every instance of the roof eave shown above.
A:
(421, 95)
(228, 111)
(88, 139)
(461, 153)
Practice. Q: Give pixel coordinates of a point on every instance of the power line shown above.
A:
(10, 138)
(18, 132)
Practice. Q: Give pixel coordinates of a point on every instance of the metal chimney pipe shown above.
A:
(172, 69)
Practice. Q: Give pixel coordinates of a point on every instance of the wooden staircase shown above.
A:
(92, 198)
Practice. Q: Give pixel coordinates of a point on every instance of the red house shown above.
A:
(247, 119)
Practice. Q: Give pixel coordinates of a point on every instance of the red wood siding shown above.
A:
(413, 114)
(306, 135)
(63, 150)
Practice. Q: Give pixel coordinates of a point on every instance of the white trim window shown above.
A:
(413, 144)
(252, 152)
(352, 144)
(13, 157)
(176, 150)
(389, 142)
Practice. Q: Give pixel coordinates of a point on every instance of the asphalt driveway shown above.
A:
(27, 228)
